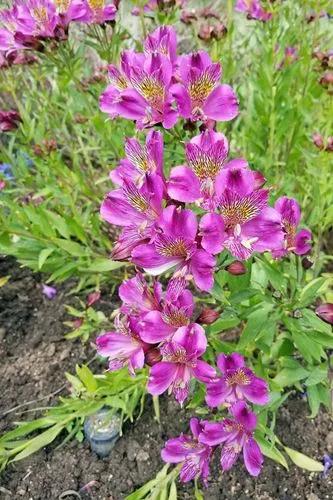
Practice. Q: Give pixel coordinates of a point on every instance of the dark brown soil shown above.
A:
(34, 356)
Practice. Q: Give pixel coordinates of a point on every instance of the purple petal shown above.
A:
(230, 361)
(256, 391)
(212, 231)
(218, 392)
(253, 458)
(302, 239)
(182, 97)
(202, 269)
(161, 377)
(192, 338)
(175, 449)
(221, 104)
(184, 185)
(154, 329)
(229, 456)
(49, 291)
(178, 223)
(289, 209)
(213, 434)
(203, 371)
(145, 256)
(244, 416)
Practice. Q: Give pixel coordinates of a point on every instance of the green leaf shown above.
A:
(87, 378)
(255, 323)
(304, 461)
(104, 265)
(44, 254)
(311, 291)
(288, 376)
(173, 491)
(313, 400)
(39, 442)
(317, 374)
(224, 323)
(271, 451)
(71, 247)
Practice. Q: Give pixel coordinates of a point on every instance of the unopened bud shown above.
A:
(306, 263)
(153, 356)
(236, 268)
(93, 297)
(325, 312)
(318, 140)
(259, 179)
(207, 316)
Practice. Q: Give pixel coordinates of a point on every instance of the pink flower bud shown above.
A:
(2, 184)
(236, 268)
(153, 356)
(259, 179)
(318, 140)
(77, 323)
(93, 297)
(207, 316)
(325, 312)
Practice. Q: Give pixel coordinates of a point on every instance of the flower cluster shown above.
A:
(234, 433)
(29, 22)
(178, 224)
(158, 86)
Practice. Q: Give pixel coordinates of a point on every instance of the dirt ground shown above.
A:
(34, 356)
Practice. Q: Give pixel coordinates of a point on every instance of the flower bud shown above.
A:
(207, 316)
(325, 312)
(318, 140)
(153, 356)
(306, 263)
(236, 268)
(77, 323)
(2, 184)
(9, 120)
(93, 297)
(327, 79)
(259, 179)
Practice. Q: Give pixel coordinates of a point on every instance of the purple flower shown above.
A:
(294, 241)
(253, 9)
(9, 120)
(140, 160)
(174, 245)
(140, 91)
(194, 455)
(235, 434)
(245, 224)
(36, 18)
(123, 347)
(162, 41)
(325, 312)
(205, 157)
(49, 291)
(97, 11)
(136, 209)
(328, 464)
(200, 95)
(70, 10)
(237, 382)
(180, 363)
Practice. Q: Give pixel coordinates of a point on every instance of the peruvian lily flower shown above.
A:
(237, 382)
(253, 9)
(193, 455)
(140, 160)
(294, 241)
(123, 347)
(136, 209)
(8, 27)
(162, 41)
(9, 120)
(235, 435)
(245, 224)
(140, 91)
(70, 10)
(98, 12)
(174, 245)
(180, 363)
(159, 314)
(200, 95)
(37, 18)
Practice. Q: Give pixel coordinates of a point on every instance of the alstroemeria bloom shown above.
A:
(162, 41)
(195, 456)
(159, 314)
(37, 18)
(253, 9)
(136, 209)
(200, 95)
(205, 157)
(174, 245)
(235, 435)
(140, 160)
(180, 363)
(237, 382)
(8, 27)
(98, 11)
(9, 120)
(123, 347)
(70, 10)
(140, 91)
(246, 224)
(294, 241)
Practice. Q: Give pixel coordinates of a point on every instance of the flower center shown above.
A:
(96, 4)
(40, 14)
(152, 90)
(200, 88)
(62, 5)
(238, 211)
(290, 231)
(205, 167)
(169, 247)
(176, 318)
(238, 378)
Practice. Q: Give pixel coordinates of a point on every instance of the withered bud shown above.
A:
(207, 316)
(236, 268)
(306, 263)
(153, 356)
(327, 79)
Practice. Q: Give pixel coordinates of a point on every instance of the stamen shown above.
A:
(238, 378)
(169, 247)
(200, 88)
(96, 4)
